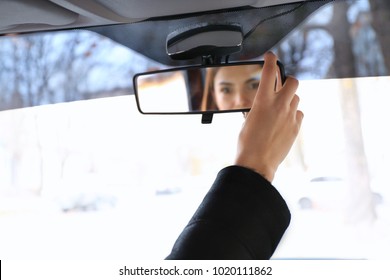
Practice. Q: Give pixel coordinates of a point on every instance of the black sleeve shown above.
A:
(242, 217)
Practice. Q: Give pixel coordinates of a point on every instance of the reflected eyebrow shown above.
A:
(225, 83)
(252, 80)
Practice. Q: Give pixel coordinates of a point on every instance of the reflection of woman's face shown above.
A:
(235, 87)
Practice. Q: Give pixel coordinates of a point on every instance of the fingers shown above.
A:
(294, 103)
(279, 82)
(298, 118)
(298, 113)
(294, 109)
(285, 93)
(293, 99)
(267, 84)
(289, 89)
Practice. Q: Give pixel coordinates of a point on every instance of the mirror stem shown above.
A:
(211, 60)
(207, 118)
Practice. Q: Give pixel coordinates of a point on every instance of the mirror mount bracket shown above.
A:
(208, 60)
(207, 118)
(210, 41)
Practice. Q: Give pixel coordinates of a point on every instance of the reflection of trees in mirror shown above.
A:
(64, 66)
(157, 79)
(162, 92)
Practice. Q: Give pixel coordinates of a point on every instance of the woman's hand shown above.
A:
(272, 124)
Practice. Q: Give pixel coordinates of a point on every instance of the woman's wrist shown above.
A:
(265, 171)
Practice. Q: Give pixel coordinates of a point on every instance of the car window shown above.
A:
(47, 68)
(95, 179)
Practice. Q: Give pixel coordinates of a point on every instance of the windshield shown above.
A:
(95, 179)
(47, 68)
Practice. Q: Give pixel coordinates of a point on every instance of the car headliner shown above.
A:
(25, 15)
(136, 25)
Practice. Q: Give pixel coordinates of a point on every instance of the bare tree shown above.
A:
(380, 20)
(343, 65)
(361, 205)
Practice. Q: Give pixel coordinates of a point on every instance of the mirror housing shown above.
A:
(205, 40)
(201, 89)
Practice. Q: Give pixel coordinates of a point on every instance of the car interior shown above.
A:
(109, 138)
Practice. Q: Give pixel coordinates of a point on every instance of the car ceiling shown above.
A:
(136, 23)
(266, 27)
(31, 15)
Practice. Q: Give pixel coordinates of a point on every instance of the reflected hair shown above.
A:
(208, 99)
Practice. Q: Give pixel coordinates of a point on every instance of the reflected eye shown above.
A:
(253, 85)
(225, 90)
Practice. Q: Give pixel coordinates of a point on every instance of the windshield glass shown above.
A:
(95, 179)
(47, 68)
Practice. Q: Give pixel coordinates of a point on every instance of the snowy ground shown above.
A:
(144, 226)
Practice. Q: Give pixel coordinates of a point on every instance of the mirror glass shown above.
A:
(198, 89)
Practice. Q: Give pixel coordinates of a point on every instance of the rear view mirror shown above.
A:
(201, 89)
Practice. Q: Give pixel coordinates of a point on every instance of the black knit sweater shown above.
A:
(242, 217)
